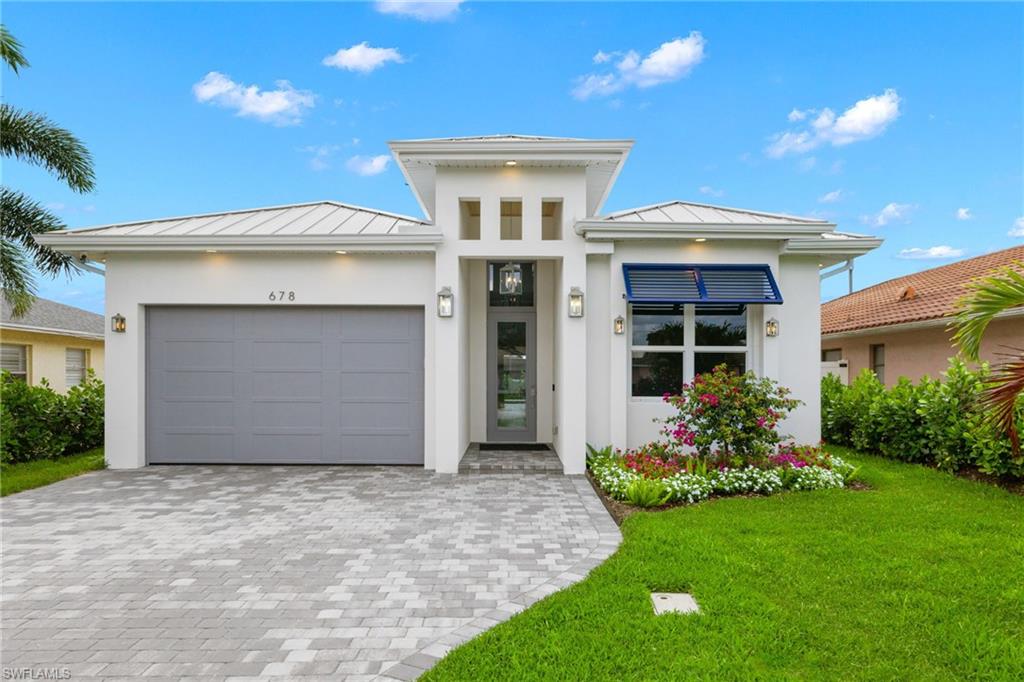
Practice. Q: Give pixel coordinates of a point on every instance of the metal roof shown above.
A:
(317, 218)
(54, 318)
(689, 212)
(498, 138)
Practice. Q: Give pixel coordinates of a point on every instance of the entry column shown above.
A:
(448, 351)
(572, 368)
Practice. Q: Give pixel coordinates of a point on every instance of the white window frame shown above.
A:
(689, 349)
(85, 365)
(26, 355)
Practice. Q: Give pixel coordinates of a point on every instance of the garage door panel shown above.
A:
(285, 385)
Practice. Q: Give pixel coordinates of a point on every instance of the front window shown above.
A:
(878, 361)
(76, 362)
(671, 343)
(14, 359)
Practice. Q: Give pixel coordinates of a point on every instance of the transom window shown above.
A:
(672, 343)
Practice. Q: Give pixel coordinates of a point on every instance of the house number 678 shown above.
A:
(282, 296)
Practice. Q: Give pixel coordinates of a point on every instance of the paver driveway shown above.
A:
(219, 572)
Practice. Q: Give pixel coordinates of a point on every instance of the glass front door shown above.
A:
(512, 390)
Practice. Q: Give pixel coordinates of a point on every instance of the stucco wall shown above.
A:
(924, 351)
(46, 358)
(136, 281)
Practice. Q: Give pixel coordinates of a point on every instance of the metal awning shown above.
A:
(703, 283)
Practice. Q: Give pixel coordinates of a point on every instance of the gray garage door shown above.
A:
(284, 385)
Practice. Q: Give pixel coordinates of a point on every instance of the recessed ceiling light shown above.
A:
(211, 251)
(341, 252)
(510, 163)
(701, 239)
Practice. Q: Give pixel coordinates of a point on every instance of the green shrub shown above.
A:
(647, 492)
(36, 422)
(939, 422)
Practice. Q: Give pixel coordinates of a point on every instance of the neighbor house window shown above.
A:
(76, 362)
(832, 355)
(14, 359)
(672, 343)
(878, 361)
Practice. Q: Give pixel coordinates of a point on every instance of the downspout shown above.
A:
(846, 267)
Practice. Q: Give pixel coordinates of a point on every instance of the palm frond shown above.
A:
(16, 278)
(21, 219)
(10, 50)
(986, 298)
(1002, 391)
(37, 140)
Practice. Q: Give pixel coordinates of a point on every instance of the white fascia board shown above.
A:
(910, 326)
(81, 243)
(611, 181)
(619, 230)
(50, 331)
(831, 247)
(486, 148)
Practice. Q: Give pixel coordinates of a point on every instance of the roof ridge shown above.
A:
(735, 209)
(258, 209)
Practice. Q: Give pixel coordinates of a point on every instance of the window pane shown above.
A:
(720, 325)
(520, 300)
(12, 358)
(74, 366)
(655, 374)
(705, 362)
(657, 325)
(832, 355)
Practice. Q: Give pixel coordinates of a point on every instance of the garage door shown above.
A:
(284, 385)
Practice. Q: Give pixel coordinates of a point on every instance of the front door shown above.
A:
(511, 377)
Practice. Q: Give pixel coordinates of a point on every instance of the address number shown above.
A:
(282, 296)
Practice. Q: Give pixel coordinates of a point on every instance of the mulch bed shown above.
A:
(1014, 485)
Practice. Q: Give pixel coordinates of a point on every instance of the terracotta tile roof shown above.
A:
(925, 295)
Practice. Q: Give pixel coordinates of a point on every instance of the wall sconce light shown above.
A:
(445, 302)
(771, 327)
(619, 325)
(510, 279)
(118, 324)
(575, 302)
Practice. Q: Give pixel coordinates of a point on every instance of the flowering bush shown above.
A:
(728, 418)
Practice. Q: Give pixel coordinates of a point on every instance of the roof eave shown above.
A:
(909, 325)
(51, 331)
(622, 230)
(73, 243)
(850, 247)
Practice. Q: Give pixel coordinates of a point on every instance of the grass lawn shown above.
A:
(921, 577)
(15, 478)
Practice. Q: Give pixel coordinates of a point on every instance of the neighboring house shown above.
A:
(900, 328)
(51, 341)
(514, 312)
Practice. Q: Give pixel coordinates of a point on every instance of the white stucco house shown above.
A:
(513, 311)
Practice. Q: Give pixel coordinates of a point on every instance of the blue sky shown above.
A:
(888, 119)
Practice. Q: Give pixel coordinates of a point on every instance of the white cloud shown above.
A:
(320, 155)
(964, 214)
(711, 191)
(363, 58)
(283, 106)
(1018, 228)
(831, 197)
(368, 165)
(892, 212)
(437, 10)
(866, 119)
(669, 62)
(932, 252)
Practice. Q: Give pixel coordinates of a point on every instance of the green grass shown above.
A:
(920, 578)
(14, 478)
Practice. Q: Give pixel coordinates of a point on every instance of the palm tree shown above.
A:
(987, 297)
(37, 140)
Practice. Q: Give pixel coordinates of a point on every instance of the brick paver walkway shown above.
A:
(313, 572)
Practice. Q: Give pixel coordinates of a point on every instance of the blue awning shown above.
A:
(700, 283)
